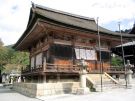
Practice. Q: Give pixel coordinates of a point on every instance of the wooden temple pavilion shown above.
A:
(129, 49)
(57, 41)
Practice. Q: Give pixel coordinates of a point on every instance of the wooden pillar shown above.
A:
(102, 65)
(44, 63)
(73, 47)
(39, 79)
(110, 58)
(45, 60)
(44, 78)
(58, 77)
(31, 79)
(96, 67)
(35, 61)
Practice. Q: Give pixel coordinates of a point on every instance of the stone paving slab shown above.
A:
(120, 94)
(115, 95)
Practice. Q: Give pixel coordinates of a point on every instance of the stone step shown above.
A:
(97, 78)
(108, 87)
(107, 83)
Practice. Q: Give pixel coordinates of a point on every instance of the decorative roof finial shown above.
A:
(33, 5)
(134, 24)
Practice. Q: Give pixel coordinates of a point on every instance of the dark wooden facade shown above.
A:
(57, 41)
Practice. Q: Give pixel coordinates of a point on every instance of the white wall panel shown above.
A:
(85, 54)
(32, 62)
(39, 59)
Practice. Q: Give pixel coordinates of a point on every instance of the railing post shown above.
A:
(58, 77)
(44, 64)
(57, 68)
(44, 67)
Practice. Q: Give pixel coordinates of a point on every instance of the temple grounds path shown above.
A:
(115, 95)
(9, 95)
(120, 94)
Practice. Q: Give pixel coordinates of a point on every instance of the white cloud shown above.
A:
(128, 25)
(106, 10)
(13, 19)
(9, 37)
(14, 13)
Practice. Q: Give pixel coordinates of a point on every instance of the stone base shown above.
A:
(129, 86)
(45, 89)
(83, 91)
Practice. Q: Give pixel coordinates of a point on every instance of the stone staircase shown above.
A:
(108, 83)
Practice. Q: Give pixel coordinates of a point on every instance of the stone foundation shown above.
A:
(45, 89)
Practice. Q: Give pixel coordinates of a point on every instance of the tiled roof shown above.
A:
(66, 19)
(73, 20)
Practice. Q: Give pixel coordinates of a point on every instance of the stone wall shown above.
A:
(45, 89)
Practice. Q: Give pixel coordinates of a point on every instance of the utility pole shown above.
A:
(99, 46)
(123, 54)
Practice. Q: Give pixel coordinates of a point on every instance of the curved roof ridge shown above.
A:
(62, 12)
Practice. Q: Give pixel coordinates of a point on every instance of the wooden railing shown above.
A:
(53, 68)
(114, 70)
(61, 68)
(29, 69)
(109, 70)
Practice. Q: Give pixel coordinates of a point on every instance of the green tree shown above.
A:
(16, 60)
(11, 59)
(116, 61)
(3, 55)
(21, 58)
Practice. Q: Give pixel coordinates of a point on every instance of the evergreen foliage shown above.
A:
(116, 61)
(11, 59)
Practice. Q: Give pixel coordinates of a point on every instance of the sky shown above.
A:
(14, 14)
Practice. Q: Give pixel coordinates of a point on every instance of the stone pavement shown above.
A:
(9, 95)
(115, 95)
(120, 94)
